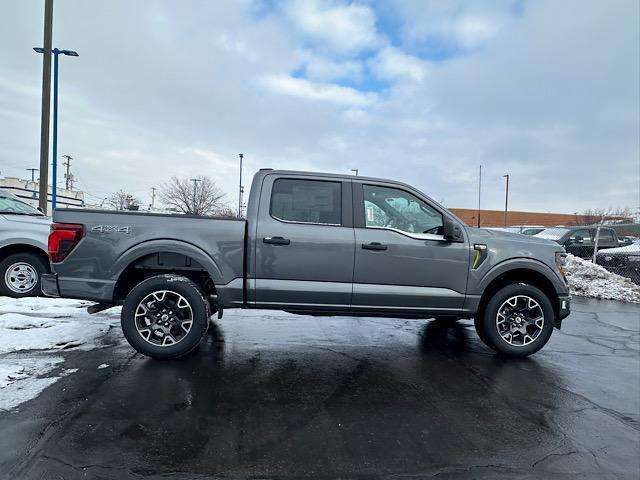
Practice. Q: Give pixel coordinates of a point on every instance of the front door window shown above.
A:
(396, 209)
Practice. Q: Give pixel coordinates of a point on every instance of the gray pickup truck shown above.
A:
(316, 244)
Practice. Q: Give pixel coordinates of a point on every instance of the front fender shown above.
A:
(559, 285)
(6, 242)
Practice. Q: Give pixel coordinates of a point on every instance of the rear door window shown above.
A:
(307, 201)
(605, 236)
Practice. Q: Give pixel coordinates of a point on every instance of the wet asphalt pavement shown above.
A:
(277, 396)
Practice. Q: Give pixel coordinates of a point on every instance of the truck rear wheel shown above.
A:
(165, 316)
(20, 275)
(517, 321)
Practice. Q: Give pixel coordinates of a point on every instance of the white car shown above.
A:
(23, 247)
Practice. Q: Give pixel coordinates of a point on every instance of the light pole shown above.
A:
(195, 189)
(54, 149)
(479, 192)
(240, 189)
(506, 200)
(355, 170)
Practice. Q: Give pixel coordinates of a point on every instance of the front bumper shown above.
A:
(50, 285)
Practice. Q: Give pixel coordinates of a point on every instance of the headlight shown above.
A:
(561, 259)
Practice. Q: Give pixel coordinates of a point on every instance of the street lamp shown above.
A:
(56, 52)
(240, 188)
(506, 199)
(355, 170)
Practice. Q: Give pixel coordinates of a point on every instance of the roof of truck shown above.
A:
(269, 171)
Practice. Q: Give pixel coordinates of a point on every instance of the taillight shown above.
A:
(62, 239)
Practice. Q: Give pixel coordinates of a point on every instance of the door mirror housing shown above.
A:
(452, 232)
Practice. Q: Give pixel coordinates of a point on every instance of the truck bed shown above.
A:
(113, 241)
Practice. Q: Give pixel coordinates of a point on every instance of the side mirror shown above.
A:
(452, 231)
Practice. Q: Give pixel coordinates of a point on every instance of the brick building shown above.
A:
(495, 218)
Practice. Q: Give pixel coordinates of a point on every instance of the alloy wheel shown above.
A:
(520, 320)
(163, 318)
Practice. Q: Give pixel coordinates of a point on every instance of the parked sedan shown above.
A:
(624, 261)
(23, 247)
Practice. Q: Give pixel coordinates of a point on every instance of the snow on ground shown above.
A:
(587, 279)
(33, 332)
(22, 379)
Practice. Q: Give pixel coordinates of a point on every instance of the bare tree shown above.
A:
(227, 211)
(595, 216)
(195, 196)
(122, 200)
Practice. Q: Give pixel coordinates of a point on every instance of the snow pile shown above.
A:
(33, 332)
(590, 280)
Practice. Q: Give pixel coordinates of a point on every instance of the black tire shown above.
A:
(541, 334)
(478, 321)
(176, 286)
(29, 265)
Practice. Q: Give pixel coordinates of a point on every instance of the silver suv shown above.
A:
(23, 247)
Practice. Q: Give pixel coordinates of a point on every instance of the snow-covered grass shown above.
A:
(33, 332)
(587, 279)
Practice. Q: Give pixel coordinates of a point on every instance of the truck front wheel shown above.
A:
(165, 316)
(517, 321)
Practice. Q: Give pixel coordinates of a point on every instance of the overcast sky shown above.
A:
(415, 90)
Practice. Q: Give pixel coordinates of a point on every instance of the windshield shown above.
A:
(16, 207)
(552, 233)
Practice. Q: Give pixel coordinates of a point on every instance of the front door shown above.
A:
(304, 243)
(580, 243)
(402, 262)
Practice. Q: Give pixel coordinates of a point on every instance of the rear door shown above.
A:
(607, 239)
(305, 243)
(402, 262)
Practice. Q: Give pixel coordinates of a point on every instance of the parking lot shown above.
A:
(271, 395)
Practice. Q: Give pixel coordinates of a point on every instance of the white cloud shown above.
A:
(392, 64)
(323, 69)
(456, 24)
(474, 31)
(345, 28)
(326, 92)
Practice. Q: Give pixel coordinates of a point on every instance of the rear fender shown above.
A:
(169, 246)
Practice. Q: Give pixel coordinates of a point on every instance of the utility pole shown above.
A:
(153, 197)
(46, 105)
(195, 186)
(33, 171)
(67, 176)
(506, 200)
(355, 170)
(479, 192)
(240, 189)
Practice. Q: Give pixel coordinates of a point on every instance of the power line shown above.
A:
(68, 177)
